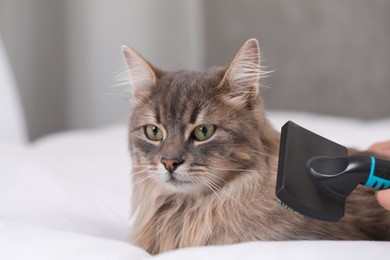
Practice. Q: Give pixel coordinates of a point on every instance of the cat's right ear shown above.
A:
(141, 75)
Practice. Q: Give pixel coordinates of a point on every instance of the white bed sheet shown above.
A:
(67, 196)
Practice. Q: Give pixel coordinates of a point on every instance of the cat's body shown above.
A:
(205, 160)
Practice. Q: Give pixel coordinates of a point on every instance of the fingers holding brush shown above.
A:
(383, 198)
(382, 148)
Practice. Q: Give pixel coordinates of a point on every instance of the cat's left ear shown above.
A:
(141, 74)
(241, 78)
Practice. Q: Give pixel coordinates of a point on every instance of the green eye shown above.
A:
(153, 133)
(204, 132)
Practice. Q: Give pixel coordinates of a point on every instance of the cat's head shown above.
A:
(196, 131)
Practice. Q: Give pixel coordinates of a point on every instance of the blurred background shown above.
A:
(329, 57)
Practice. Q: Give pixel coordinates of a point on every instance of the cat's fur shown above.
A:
(224, 191)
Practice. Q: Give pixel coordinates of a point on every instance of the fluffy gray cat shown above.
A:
(205, 159)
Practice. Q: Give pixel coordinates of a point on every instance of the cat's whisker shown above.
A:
(265, 73)
(219, 179)
(226, 193)
(218, 190)
(123, 77)
(143, 180)
(212, 183)
(141, 171)
(120, 85)
(141, 166)
(238, 170)
(264, 87)
(267, 149)
(139, 180)
(223, 191)
(206, 182)
(262, 153)
(219, 198)
(121, 80)
(139, 176)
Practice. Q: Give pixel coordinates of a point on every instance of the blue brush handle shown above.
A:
(379, 177)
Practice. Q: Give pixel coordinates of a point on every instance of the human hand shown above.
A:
(382, 148)
(383, 198)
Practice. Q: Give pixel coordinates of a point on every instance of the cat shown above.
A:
(205, 158)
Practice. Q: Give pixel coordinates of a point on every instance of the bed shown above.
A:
(66, 196)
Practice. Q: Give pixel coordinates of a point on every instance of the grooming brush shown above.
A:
(315, 175)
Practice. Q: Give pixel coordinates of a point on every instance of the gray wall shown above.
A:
(66, 54)
(329, 56)
(165, 32)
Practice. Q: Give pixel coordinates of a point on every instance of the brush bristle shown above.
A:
(285, 206)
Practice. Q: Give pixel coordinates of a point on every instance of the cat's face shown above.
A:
(192, 131)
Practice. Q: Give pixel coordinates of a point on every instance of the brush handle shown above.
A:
(379, 177)
(338, 177)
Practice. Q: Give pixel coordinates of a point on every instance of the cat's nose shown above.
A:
(171, 164)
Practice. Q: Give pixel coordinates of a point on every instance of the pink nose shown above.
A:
(171, 164)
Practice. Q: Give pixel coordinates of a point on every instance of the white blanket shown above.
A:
(67, 196)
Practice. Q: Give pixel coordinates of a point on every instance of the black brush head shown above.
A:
(294, 186)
